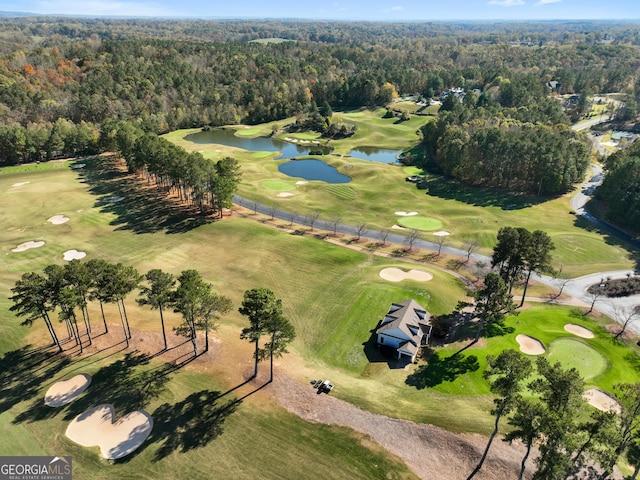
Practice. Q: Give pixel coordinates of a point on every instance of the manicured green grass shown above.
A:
(234, 255)
(343, 192)
(574, 353)
(413, 171)
(420, 223)
(279, 185)
(470, 214)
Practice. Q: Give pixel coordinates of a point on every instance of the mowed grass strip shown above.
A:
(475, 214)
(343, 192)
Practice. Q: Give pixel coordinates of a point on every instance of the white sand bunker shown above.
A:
(27, 245)
(73, 255)
(285, 194)
(399, 227)
(301, 182)
(394, 274)
(58, 219)
(530, 345)
(406, 214)
(601, 400)
(441, 233)
(96, 427)
(77, 165)
(61, 393)
(578, 330)
(19, 184)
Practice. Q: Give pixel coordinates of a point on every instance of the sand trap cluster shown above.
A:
(58, 219)
(394, 274)
(578, 330)
(441, 233)
(19, 184)
(601, 400)
(285, 194)
(530, 345)
(406, 214)
(27, 245)
(75, 166)
(116, 439)
(61, 393)
(73, 255)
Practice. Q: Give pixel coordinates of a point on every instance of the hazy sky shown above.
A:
(340, 9)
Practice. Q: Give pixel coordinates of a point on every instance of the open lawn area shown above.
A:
(378, 190)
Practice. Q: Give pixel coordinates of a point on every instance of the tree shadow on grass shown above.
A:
(136, 205)
(23, 371)
(497, 329)
(189, 424)
(121, 383)
(439, 370)
(442, 187)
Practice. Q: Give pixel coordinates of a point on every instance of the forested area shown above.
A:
(513, 136)
(62, 79)
(620, 189)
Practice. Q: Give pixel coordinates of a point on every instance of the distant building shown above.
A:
(554, 85)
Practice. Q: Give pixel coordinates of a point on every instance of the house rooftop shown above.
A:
(408, 316)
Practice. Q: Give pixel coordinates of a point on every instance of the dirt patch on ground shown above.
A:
(530, 345)
(431, 452)
(578, 330)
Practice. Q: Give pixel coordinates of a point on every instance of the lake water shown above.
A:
(373, 154)
(313, 170)
(259, 144)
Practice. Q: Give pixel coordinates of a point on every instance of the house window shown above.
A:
(381, 340)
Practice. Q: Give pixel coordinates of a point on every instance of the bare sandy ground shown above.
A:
(58, 219)
(19, 184)
(530, 345)
(27, 245)
(431, 452)
(394, 274)
(73, 255)
(601, 400)
(406, 214)
(65, 391)
(578, 330)
(116, 439)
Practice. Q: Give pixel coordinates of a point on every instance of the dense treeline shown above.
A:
(513, 136)
(194, 179)
(93, 70)
(620, 190)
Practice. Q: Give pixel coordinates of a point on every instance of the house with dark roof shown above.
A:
(406, 327)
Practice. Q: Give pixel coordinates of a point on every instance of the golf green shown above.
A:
(573, 353)
(278, 185)
(421, 223)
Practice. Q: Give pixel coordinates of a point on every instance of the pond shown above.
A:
(226, 137)
(374, 154)
(313, 170)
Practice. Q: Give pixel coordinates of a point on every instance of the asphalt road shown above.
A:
(576, 287)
